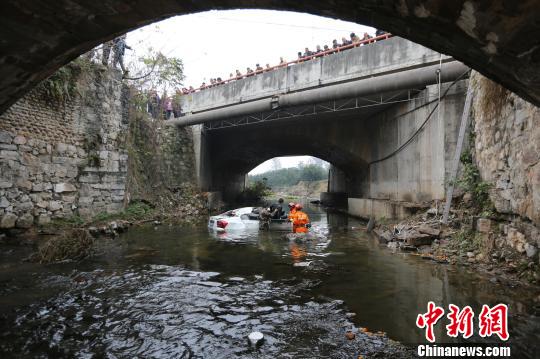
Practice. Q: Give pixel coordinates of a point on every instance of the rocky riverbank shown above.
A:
(506, 250)
(73, 238)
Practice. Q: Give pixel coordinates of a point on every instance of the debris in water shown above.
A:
(350, 335)
(255, 338)
(70, 245)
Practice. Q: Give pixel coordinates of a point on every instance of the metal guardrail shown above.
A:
(297, 61)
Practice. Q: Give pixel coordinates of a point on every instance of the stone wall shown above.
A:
(59, 159)
(161, 159)
(507, 153)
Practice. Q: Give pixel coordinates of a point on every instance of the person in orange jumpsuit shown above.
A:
(300, 220)
(292, 210)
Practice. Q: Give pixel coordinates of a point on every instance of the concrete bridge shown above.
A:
(497, 38)
(352, 109)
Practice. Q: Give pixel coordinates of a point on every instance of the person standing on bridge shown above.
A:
(107, 46)
(300, 220)
(354, 39)
(119, 48)
(168, 108)
(366, 37)
(154, 102)
(379, 32)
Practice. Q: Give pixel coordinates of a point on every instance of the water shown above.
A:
(185, 292)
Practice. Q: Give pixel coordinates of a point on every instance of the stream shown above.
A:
(185, 292)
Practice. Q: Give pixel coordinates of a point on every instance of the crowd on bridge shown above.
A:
(169, 106)
(306, 55)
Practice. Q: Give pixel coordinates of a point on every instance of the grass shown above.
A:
(68, 222)
(135, 211)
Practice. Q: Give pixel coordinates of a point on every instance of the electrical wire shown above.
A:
(406, 143)
(277, 24)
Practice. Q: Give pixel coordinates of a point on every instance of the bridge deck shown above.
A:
(383, 57)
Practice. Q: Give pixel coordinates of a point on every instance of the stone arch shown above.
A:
(498, 38)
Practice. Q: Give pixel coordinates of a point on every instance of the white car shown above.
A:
(244, 219)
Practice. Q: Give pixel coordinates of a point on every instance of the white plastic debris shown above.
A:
(255, 337)
(302, 264)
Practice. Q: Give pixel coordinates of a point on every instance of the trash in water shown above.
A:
(301, 264)
(255, 338)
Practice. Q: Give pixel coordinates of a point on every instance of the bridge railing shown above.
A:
(299, 60)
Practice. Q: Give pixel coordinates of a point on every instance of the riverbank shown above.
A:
(303, 189)
(72, 238)
(484, 245)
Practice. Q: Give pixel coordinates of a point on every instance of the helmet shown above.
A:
(298, 206)
(291, 204)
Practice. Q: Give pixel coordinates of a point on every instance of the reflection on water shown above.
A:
(170, 291)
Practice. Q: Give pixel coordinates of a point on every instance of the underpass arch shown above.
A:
(235, 153)
(497, 38)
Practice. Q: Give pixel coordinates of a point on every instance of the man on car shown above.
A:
(277, 209)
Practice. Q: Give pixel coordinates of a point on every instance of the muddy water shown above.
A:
(185, 292)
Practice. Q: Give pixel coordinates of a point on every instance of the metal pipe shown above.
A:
(407, 79)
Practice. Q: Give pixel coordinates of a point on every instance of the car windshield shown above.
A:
(230, 213)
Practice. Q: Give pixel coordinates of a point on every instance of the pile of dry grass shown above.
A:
(73, 244)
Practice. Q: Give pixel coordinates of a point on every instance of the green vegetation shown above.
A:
(155, 72)
(470, 181)
(68, 222)
(256, 191)
(135, 211)
(62, 85)
(467, 240)
(291, 176)
(163, 71)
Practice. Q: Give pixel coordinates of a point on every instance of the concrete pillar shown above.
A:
(337, 180)
(202, 160)
(337, 188)
(232, 186)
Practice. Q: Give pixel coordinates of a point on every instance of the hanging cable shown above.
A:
(439, 73)
(400, 148)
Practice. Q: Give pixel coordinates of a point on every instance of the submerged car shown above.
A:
(245, 218)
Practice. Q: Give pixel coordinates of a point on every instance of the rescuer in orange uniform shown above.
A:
(292, 210)
(300, 220)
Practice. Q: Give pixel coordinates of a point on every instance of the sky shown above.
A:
(215, 43)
